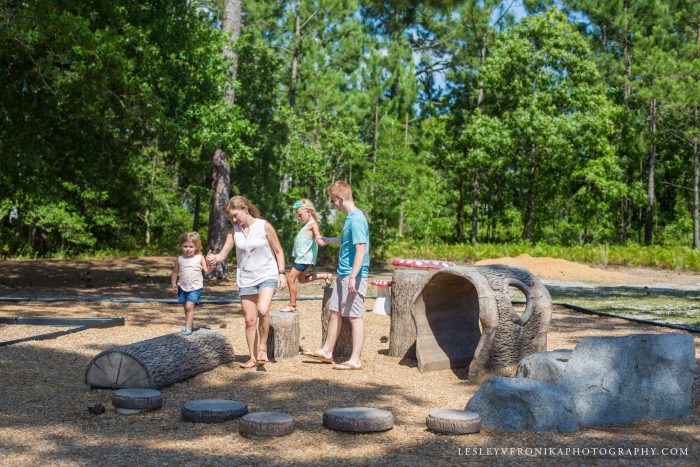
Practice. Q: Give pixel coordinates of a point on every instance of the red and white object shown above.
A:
(422, 263)
(382, 304)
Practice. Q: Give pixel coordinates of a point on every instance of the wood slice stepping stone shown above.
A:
(212, 410)
(266, 424)
(453, 422)
(358, 419)
(135, 400)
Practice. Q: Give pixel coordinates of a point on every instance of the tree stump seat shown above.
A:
(343, 346)
(283, 339)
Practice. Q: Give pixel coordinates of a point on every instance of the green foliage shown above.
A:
(451, 122)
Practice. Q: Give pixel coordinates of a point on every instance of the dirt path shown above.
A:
(150, 276)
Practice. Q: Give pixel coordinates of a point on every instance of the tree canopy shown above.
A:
(451, 120)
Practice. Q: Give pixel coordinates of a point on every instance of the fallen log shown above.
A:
(159, 362)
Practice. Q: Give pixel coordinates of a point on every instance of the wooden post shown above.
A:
(405, 283)
(283, 339)
(343, 346)
(159, 362)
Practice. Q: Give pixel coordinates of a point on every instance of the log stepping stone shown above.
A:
(135, 400)
(266, 424)
(212, 410)
(358, 419)
(453, 422)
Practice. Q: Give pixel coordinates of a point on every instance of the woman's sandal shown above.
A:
(252, 363)
(261, 360)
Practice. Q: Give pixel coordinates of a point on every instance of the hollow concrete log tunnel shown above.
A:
(464, 316)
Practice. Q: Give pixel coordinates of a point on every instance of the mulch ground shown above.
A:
(44, 401)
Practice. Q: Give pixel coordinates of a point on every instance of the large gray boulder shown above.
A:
(615, 380)
(544, 366)
(517, 404)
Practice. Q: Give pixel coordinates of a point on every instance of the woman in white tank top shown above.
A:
(259, 271)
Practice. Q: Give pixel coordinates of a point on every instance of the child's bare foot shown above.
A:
(328, 280)
(289, 308)
(249, 364)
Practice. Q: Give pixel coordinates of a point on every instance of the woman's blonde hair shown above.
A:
(307, 205)
(192, 237)
(241, 202)
(340, 188)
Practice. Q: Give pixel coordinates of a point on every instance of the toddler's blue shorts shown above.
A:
(191, 296)
(301, 267)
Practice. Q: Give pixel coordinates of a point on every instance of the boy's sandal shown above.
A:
(317, 356)
(249, 364)
(186, 331)
(289, 309)
(347, 366)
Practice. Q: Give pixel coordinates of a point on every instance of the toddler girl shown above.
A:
(187, 279)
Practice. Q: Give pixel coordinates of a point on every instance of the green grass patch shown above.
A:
(679, 258)
(682, 307)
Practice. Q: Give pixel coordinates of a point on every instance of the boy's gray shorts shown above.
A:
(348, 305)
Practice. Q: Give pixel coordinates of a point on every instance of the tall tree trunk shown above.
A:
(627, 57)
(652, 175)
(220, 170)
(295, 57)
(530, 213)
(696, 179)
(197, 209)
(627, 207)
(376, 137)
(284, 182)
(482, 57)
(475, 208)
(459, 228)
(696, 163)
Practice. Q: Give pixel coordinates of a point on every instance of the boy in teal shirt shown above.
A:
(348, 298)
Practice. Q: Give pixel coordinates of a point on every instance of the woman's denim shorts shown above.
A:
(255, 289)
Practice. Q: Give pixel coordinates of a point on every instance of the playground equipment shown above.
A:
(283, 339)
(266, 424)
(402, 337)
(422, 263)
(159, 362)
(382, 305)
(136, 400)
(358, 419)
(212, 411)
(453, 422)
(464, 317)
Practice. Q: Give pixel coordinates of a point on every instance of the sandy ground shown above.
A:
(44, 417)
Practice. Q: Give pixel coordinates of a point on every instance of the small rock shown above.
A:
(222, 325)
(383, 339)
